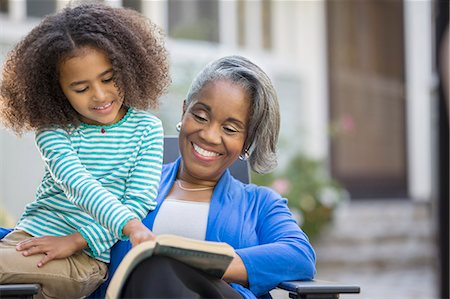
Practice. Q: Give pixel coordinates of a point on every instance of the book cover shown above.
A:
(210, 257)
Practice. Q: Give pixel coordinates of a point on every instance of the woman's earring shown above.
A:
(178, 126)
(244, 156)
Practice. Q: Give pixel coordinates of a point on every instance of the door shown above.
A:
(367, 99)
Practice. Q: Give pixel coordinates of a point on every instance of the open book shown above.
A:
(210, 257)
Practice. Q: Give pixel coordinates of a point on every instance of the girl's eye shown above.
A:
(81, 90)
(107, 80)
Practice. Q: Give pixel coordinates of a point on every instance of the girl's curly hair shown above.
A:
(30, 95)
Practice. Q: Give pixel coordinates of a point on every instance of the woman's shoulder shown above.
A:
(255, 191)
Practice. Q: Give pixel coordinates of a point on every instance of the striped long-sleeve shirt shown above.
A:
(96, 179)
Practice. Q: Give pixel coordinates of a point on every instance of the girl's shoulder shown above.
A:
(54, 133)
(48, 138)
(143, 117)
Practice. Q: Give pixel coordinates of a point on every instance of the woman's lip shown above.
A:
(201, 157)
(204, 152)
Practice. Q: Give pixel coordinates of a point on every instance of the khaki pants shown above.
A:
(74, 277)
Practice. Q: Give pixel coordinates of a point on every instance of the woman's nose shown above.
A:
(211, 134)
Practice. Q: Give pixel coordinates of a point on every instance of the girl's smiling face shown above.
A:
(213, 131)
(87, 81)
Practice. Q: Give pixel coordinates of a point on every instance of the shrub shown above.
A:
(312, 194)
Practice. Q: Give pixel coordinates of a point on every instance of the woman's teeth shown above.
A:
(203, 152)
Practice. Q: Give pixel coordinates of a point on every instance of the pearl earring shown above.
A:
(244, 156)
(178, 126)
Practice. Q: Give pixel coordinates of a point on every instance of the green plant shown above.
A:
(312, 194)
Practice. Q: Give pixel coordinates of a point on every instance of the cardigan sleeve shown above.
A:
(284, 251)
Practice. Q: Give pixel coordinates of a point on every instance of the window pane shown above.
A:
(4, 6)
(40, 8)
(194, 19)
(133, 4)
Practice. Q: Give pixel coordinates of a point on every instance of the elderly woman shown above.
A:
(231, 112)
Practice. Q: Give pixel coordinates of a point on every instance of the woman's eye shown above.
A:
(199, 118)
(230, 130)
(107, 80)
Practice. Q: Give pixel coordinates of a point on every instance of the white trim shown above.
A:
(253, 25)
(299, 43)
(228, 20)
(60, 4)
(17, 10)
(419, 85)
(114, 3)
(157, 12)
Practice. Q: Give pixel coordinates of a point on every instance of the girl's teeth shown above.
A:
(203, 152)
(103, 107)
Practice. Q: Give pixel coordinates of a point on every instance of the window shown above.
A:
(4, 6)
(40, 8)
(194, 19)
(133, 4)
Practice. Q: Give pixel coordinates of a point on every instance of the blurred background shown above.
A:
(364, 131)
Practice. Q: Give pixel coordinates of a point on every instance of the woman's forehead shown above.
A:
(223, 99)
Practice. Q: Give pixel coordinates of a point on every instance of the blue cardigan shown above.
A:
(256, 222)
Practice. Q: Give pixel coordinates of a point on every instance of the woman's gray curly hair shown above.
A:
(264, 119)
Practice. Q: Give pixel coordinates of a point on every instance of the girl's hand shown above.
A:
(52, 247)
(137, 232)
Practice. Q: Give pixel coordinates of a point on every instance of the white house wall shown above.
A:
(419, 98)
(300, 40)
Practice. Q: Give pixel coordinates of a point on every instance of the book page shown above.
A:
(208, 246)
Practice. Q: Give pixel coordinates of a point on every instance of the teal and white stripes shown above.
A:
(95, 182)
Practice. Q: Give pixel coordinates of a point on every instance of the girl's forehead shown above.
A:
(88, 65)
(83, 51)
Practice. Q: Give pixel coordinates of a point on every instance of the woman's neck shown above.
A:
(192, 182)
(191, 191)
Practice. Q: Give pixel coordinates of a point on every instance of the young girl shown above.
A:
(82, 79)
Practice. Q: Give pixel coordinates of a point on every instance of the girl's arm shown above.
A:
(82, 189)
(141, 191)
(79, 186)
(58, 247)
(52, 247)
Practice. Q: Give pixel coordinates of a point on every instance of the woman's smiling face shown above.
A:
(213, 131)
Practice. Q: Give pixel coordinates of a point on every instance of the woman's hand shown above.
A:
(137, 232)
(52, 247)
